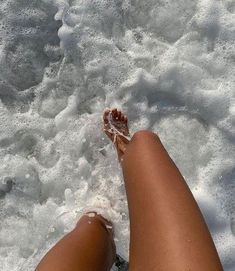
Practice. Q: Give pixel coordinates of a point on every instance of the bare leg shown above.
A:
(89, 247)
(167, 229)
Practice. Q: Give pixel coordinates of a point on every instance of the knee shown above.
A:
(92, 218)
(144, 135)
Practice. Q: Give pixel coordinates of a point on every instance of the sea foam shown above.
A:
(169, 65)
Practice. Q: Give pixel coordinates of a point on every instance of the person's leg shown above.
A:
(89, 247)
(167, 230)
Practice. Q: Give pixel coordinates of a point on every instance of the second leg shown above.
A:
(89, 247)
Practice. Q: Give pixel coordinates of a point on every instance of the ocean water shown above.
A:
(168, 64)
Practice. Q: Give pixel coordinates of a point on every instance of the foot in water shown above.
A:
(116, 128)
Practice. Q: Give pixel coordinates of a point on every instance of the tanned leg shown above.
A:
(167, 229)
(89, 247)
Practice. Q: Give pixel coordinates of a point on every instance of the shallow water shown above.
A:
(168, 65)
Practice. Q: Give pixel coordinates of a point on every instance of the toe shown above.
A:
(119, 115)
(105, 116)
(114, 112)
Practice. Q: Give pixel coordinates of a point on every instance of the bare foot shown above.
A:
(116, 128)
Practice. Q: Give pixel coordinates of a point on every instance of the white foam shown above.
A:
(169, 65)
